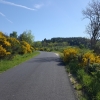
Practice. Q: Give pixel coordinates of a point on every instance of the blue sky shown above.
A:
(45, 18)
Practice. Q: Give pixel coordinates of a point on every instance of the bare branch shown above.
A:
(92, 12)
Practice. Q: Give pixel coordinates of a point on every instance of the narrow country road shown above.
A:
(40, 78)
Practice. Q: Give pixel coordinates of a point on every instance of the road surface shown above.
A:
(40, 78)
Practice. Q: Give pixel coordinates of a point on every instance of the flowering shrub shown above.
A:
(70, 53)
(13, 41)
(97, 59)
(86, 66)
(3, 40)
(3, 51)
(15, 45)
(88, 56)
(4, 44)
(93, 58)
(26, 48)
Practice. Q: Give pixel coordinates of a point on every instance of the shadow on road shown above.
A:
(48, 59)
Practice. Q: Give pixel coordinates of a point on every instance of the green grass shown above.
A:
(18, 59)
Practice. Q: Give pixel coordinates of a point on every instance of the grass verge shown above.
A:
(59, 53)
(7, 64)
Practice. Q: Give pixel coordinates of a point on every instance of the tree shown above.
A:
(92, 12)
(27, 36)
(13, 34)
(37, 44)
(97, 47)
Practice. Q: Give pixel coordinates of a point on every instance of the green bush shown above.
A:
(73, 65)
(80, 74)
(86, 80)
(90, 83)
(98, 96)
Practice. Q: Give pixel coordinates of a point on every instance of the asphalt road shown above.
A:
(40, 78)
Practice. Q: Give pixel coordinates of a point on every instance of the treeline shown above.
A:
(59, 44)
(72, 41)
(12, 44)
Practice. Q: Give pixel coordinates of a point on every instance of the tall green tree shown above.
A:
(27, 36)
(13, 34)
(37, 44)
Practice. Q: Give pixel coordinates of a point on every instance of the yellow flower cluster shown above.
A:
(26, 48)
(13, 41)
(3, 40)
(3, 51)
(13, 45)
(1, 35)
(6, 43)
(90, 58)
(86, 58)
(70, 53)
(97, 59)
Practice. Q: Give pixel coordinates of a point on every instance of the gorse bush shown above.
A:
(15, 45)
(70, 53)
(83, 58)
(10, 46)
(93, 58)
(26, 48)
(85, 66)
(3, 40)
(4, 46)
(3, 52)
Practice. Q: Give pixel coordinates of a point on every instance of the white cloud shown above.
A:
(13, 4)
(38, 6)
(5, 17)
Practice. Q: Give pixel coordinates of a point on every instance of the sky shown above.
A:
(45, 18)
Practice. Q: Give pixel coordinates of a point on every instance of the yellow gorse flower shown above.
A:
(88, 57)
(3, 51)
(3, 40)
(13, 41)
(93, 58)
(70, 53)
(4, 44)
(26, 48)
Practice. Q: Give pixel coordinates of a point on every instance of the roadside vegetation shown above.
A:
(15, 49)
(84, 66)
(18, 59)
(81, 55)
